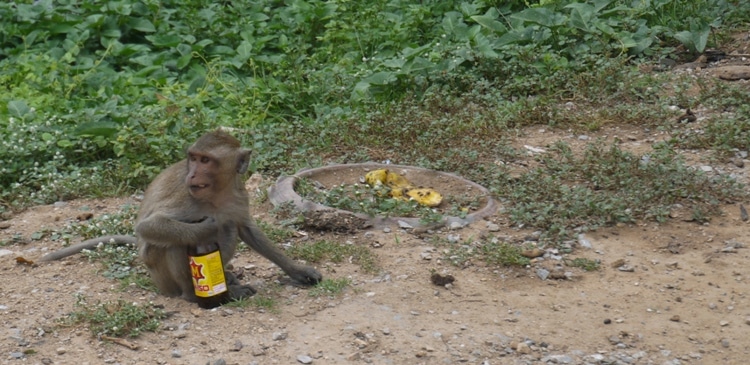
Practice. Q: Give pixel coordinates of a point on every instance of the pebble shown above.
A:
(747, 321)
(61, 350)
(278, 336)
(386, 230)
(725, 342)
(404, 225)
(583, 242)
(626, 268)
(304, 359)
(220, 362)
(706, 168)
(453, 238)
(542, 273)
(675, 318)
(237, 346)
(523, 348)
(176, 354)
(5, 252)
(492, 227)
(456, 225)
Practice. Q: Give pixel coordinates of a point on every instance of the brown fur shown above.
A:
(195, 201)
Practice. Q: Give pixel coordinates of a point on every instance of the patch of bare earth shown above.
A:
(683, 297)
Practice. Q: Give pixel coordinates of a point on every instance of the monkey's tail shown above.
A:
(88, 245)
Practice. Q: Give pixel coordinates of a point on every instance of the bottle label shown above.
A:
(208, 274)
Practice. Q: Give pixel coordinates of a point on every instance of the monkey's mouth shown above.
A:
(198, 187)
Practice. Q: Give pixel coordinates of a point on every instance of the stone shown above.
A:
(61, 350)
(523, 349)
(278, 336)
(542, 273)
(404, 225)
(304, 359)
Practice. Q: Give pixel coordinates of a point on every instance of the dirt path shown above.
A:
(684, 302)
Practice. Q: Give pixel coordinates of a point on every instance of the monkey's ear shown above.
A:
(243, 160)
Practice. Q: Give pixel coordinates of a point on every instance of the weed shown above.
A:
(584, 263)
(336, 252)
(330, 287)
(117, 319)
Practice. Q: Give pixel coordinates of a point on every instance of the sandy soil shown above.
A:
(684, 302)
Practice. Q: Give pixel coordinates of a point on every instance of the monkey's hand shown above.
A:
(236, 289)
(305, 275)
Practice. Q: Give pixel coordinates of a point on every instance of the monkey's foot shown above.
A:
(241, 291)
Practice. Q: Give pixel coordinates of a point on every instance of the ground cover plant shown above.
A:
(99, 97)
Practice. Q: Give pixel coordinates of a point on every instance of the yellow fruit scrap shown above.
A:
(376, 177)
(425, 196)
(401, 188)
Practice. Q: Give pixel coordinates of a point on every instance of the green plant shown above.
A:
(330, 287)
(335, 252)
(584, 263)
(116, 319)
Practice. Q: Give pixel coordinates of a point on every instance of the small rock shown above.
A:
(16, 355)
(220, 362)
(386, 230)
(386, 331)
(4, 225)
(278, 336)
(237, 346)
(706, 168)
(425, 256)
(542, 273)
(61, 350)
(176, 354)
(453, 238)
(626, 268)
(304, 359)
(4, 252)
(724, 323)
(404, 225)
(523, 348)
(583, 137)
(747, 321)
(583, 242)
(738, 162)
(675, 318)
(617, 263)
(607, 321)
(455, 225)
(492, 227)
(725, 343)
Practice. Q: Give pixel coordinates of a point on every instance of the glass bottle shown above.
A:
(207, 271)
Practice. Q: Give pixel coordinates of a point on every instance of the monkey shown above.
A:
(201, 199)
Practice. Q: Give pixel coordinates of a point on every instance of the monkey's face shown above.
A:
(201, 179)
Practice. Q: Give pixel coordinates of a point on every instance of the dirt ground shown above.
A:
(673, 293)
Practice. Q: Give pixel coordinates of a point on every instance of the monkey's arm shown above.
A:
(87, 245)
(164, 231)
(257, 240)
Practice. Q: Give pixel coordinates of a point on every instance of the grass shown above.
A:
(323, 250)
(99, 105)
(115, 319)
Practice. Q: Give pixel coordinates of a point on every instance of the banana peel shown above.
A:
(401, 188)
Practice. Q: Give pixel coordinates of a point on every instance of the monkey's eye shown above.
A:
(205, 159)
